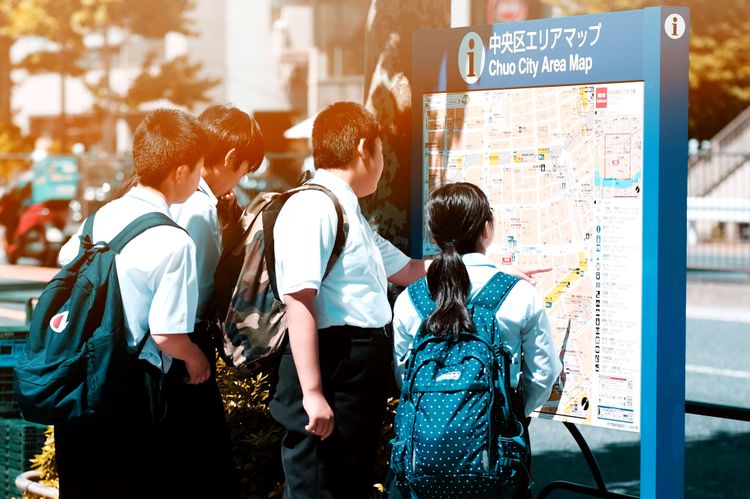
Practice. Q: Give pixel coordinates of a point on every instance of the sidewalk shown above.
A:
(718, 301)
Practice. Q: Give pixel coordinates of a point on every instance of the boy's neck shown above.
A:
(157, 192)
(351, 176)
(212, 177)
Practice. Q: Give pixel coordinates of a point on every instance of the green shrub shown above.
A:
(256, 438)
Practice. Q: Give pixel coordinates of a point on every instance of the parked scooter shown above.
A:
(39, 233)
(36, 219)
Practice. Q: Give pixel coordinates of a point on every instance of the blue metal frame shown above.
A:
(632, 46)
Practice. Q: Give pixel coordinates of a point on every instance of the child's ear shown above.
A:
(229, 159)
(362, 149)
(181, 172)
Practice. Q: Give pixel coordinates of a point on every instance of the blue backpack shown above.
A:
(77, 358)
(457, 434)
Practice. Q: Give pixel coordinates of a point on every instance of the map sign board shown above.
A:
(562, 168)
(575, 128)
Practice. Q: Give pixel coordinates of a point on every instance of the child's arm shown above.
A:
(413, 270)
(541, 362)
(179, 346)
(303, 339)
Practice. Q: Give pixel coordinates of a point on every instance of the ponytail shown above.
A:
(449, 285)
(456, 217)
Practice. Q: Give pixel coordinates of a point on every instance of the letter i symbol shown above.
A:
(674, 27)
(470, 73)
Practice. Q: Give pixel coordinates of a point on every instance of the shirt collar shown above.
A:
(205, 189)
(149, 197)
(338, 186)
(476, 260)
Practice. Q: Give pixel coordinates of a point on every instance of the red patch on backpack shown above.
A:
(59, 322)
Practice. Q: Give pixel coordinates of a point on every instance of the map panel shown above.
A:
(562, 168)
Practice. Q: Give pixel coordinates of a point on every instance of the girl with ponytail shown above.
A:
(460, 221)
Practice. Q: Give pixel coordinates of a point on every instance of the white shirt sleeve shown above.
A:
(175, 295)
(71, 248)
(406, 322)
(393, 258)
(199, 218)
(541, 363)
(304, 236)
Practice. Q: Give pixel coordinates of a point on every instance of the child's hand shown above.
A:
(320, 415)
(525, 274)
(198, 368)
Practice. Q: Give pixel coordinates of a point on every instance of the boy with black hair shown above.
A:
(205, 465)
(122, 456)
(334, 374)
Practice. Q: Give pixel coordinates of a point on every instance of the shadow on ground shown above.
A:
(715, 468)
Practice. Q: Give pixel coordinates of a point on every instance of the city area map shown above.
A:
(562, 168)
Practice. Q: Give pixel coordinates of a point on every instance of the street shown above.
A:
(717, 371)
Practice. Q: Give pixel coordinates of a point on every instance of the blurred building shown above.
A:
(290, 57)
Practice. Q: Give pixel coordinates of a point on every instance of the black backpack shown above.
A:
(76, 357)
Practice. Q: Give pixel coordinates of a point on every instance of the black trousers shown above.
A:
(120, 456)
(196, 431)
(355, 370)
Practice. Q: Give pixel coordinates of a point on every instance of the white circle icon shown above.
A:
(674, 26)
(471, 57)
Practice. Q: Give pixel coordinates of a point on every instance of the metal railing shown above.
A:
(601, 490)
(718, 207)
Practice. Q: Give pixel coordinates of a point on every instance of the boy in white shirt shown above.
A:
(123, 456)
(234, 149)
(333, 377)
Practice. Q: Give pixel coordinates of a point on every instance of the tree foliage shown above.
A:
(51, 20)
(65, 23)
(177, 80)
(390, 26)
(719, 56)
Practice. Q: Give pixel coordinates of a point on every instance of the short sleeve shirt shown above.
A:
(355, 291)
(198, 215)
(156, 271)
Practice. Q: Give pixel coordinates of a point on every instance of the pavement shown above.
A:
(717, 371)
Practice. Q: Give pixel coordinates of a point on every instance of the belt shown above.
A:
(353, 331)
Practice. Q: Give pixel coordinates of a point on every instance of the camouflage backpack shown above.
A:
(249, 312)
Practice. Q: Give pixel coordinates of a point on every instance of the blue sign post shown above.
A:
(576, 128)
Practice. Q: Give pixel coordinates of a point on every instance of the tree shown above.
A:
(51, 19)
(65, 23)
(719, 56)
(6, 41)
(137, 17)
(177, 80)
(388, 95)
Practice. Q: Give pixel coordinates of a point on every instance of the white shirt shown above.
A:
(156, 271)
(198, 215)
(525, 329)
(355, 292)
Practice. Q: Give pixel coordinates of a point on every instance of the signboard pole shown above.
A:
(663, 342)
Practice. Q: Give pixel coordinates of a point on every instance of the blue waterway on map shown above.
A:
(616, 183)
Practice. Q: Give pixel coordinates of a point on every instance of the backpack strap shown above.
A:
(138, 226)
(494, 293)
(271, 213)
(419, 293)
(88, 227)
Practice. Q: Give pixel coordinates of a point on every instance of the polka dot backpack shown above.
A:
(456, 433)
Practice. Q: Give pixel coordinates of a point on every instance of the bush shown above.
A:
(256, 438)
